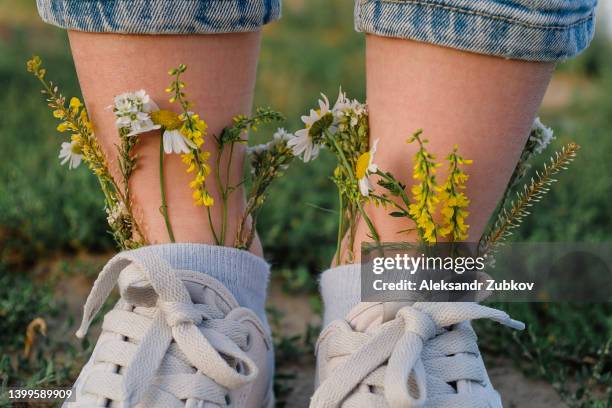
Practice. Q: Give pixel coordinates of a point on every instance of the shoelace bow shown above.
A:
(450, 356)
(176, 318)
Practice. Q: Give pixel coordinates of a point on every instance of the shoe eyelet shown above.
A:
(228, 400)
(248, 343)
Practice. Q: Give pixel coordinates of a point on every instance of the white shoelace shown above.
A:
(395, 358)
(203, 339)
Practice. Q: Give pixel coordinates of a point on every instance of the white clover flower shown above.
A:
(540, 134)
(364, 168)
(303, 144)
(71, 153)
(133, 112)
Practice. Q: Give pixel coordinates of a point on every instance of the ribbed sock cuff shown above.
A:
(340, 290)
(245, 275)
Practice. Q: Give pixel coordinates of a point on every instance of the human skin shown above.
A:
(485, 105)
(220, 82)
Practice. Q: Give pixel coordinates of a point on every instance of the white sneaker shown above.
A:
(176, 338)
(392, 355)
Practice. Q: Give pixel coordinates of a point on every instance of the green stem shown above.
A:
(212, 227)
(164, 206)
(222, 193)
(349, 170)
(340, 227)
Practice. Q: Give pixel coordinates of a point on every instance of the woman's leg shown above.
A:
(470, 74)
(220, 81)
(485, 105)
(169, 291)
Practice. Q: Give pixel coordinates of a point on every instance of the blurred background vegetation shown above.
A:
(52, 224)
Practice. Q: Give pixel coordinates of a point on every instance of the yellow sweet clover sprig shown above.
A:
(194, 129)
(454, 201)
(75, 120)
(424, 193)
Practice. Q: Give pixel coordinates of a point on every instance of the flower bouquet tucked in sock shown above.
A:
(183, 133)
(438, 211)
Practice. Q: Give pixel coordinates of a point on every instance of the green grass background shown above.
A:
(49, 213)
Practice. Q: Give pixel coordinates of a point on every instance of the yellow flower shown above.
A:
(167, 119)
(362, 165)
(64, 126)
(202, 198)
(75, 103)
(425, 192)
(454, 200)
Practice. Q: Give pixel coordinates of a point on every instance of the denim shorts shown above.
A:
(533, 30)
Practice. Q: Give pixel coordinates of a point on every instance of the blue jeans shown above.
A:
(534, 30)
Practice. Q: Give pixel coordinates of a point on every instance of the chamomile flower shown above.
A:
(346, 111)
(307, 142)
(71, 153)
(176, 142)
(282, 135)
(174, 139)
(365, 167)
(541, 135)
(133, 112)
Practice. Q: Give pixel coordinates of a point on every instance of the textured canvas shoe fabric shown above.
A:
(177, 337)
(391, 355)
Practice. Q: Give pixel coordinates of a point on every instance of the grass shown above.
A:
(47, 212)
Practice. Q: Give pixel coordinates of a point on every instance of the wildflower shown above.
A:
(346, 111)
(114, 214)
(454, 200)
(202, 198)
(307, 141)
(133, 112)
(197, 161)
(365, 167)
(174, 139)
(71, 153)
(193, 128)
(424, 193)
(540, 135)
(281, 136)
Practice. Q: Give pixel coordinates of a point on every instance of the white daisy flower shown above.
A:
(70, 153)
(345, 107)
(365, 167)
(176, 142)
(303, 144)
(540, 134)
(342, 103)
(133, 112)
(280, 136)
